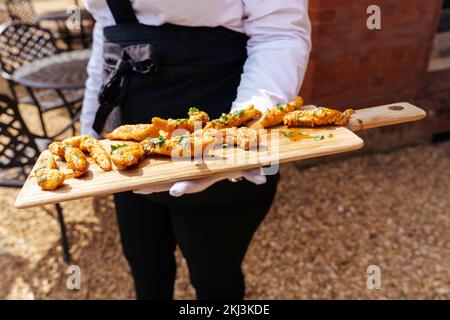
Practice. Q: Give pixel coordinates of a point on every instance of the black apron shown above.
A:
(161, 71)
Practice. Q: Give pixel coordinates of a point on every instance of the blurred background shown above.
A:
(387, 205)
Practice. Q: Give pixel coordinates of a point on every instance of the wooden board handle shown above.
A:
(386, 115)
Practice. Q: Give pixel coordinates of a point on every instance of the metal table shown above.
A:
(65, 70)
(54, 82)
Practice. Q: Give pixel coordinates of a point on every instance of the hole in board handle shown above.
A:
(396, 108)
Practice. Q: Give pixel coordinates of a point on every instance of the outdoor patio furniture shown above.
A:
(18, 153)
(20, 10)
(81, 37)
(52, 79)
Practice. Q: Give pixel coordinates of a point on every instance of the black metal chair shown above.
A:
(18, 153)
(20, 10)
(21, 44)
(4, 16)
(23, 11)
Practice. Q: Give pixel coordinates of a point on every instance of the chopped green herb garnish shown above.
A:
(318, 137)
(180, 121)
(237, 112)
(114, 147)
(280, 106)
(223, 118)
(131, 158)
(330, 135)
(193, 110)
(41, 179)
(183, 139)
(158, 141)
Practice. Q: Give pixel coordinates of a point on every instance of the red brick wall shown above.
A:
(353, 66)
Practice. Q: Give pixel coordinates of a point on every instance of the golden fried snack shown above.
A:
(235, 118)
(179, 146)
(244, 137)
(97, 152)
(76, 141)
(195, 115)
(76, 161)
(274, 116)
(85, 143)
(57, 148)
(47, 174)
(134, 132)
(196, 118)
(126, 155)
(320, 116)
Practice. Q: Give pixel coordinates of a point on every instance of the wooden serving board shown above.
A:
(275, 148)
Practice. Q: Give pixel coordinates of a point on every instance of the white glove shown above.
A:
(192, 186)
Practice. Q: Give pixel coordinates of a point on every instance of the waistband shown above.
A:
(182, 45)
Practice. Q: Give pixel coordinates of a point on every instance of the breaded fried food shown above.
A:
(274, 116)
(235, 118)
(126, 155)
(134, 132)
(48, 176)
(76, 161)
(85, 143)
(180, 146)
(76, 140)
(196, 115)
(320, 116)
(244, 137)
(57, 148)
(197, 120)
(97, 152)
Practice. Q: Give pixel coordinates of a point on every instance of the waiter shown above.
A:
(160, 57)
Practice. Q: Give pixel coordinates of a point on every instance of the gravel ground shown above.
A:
(328, 224)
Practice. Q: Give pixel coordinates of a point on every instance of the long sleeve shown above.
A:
(278, 52)
(93, 83)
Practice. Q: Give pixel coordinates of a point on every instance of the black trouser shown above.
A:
(213, 239)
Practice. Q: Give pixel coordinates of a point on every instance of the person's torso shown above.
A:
(208, 13)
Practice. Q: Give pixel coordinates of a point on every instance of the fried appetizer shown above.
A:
(97, 152)
(76, 161)
(197, 120)
(320, 116)
(47, 174)
(126, 155)
(134, 132)
(179, 146)
(235, 118)
(244, 137)
(85, 143)
(57, 148)
(76, 141)
(274, 116)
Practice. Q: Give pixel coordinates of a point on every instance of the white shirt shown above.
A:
(278, 48)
